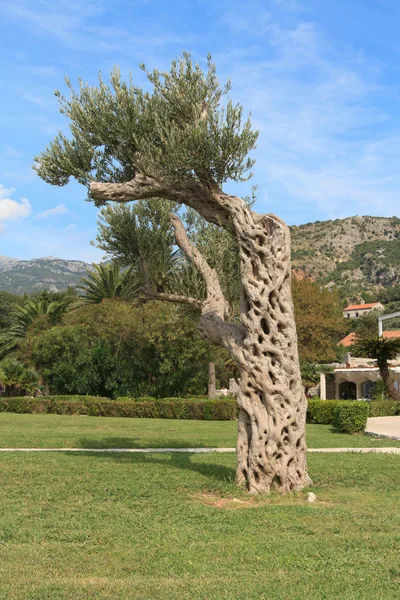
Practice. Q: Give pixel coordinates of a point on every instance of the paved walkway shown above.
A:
(386, 427)
(192, 450)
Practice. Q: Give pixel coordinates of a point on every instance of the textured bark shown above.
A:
(212, 392)
(195, 195)
(174, 298)
(387, 379)
(271, 448)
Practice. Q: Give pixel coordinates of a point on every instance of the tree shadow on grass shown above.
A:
(177, 460)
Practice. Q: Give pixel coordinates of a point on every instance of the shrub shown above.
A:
(190, 398)
(351, 416)
(140, 399)
(321, 412)
(49, 404)
(211, 410)
(24, 404)
(386, 408)
(76, 398)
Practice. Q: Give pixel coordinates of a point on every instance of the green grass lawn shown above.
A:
(61, 431)
(166, 527)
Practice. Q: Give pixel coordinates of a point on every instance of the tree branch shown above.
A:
(176, 298)
(215, 308)
(139, 188)
(215, 207)
(215, 298)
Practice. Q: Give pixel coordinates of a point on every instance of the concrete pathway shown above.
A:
(385, 427)
(192, 450)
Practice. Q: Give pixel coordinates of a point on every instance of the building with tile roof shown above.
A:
(353, 311)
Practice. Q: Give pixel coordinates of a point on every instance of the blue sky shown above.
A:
(321, 78)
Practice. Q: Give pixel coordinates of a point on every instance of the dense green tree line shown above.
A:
(120, 347)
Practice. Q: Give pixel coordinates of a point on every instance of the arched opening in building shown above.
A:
(347, 390)
(367, 389)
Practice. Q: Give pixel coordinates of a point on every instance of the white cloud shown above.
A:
(76, 25)
(4, 192)
(26, 174)
(13, 152)
(61, 209)
(10, 210)
(38, 100)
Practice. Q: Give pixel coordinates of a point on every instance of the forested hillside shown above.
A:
(359, 255)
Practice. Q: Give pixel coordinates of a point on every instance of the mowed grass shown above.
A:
(61, 431)
(174, 526)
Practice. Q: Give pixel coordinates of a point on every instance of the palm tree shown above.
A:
(108, 281)
(382, 350)
(17, 378)
(310, 374)
(24, 318)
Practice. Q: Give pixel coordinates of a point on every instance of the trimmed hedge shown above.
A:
(210, 410)
(177, 399)
(141, 399)
(321, 412)
(351, 416)
(384, 408)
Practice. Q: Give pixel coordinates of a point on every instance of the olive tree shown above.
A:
(181, 142)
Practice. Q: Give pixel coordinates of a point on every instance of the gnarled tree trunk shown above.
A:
(212, 392)
(271, 448)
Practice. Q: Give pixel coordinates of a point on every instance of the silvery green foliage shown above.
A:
(219, 248)
(182, 129)
(140, 236)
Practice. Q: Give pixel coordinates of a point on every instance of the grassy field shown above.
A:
(172, 527)
(175, 526)
(60, 431)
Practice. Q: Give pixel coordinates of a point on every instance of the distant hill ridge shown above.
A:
(27, 276)
(357, 254)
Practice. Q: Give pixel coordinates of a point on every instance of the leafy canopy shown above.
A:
(123, 349)
(182, 129)
(319, 321)
(140, 236)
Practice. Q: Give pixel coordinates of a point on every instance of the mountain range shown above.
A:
(27, 276)
(358, 255)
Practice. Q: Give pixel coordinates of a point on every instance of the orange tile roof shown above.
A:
(391, 334)
(351, 337)
(361, 306)
(348, 340)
